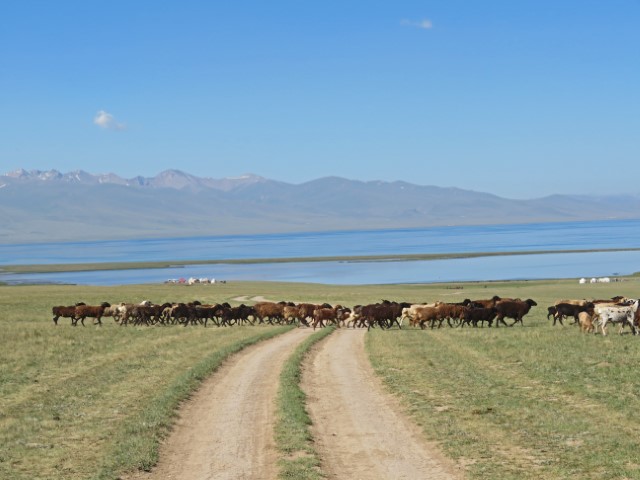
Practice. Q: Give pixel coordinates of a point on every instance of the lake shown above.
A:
(487, 238)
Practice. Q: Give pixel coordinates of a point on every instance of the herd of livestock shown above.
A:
(588, 314)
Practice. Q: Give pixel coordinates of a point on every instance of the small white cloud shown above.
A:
(424, 24)
(107, 121)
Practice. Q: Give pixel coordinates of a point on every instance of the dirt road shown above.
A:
(225, 431)
(357, 427)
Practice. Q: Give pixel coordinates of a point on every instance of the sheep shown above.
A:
(84, 311)
(65, 312)
(586, 322)
(513, 309)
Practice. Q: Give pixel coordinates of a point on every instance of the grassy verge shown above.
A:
(293, 438)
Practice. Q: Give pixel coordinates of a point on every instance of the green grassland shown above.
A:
(526, 402)
(531, 402)
(91, 402)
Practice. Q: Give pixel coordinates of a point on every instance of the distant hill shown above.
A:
(37, 206)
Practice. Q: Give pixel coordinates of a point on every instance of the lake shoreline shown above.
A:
(105, 266)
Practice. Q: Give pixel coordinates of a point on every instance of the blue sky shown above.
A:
(519, 98)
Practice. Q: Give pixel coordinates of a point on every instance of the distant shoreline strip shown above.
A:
(90, 267)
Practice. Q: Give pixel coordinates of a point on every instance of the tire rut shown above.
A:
(225, 431)
(357, 427)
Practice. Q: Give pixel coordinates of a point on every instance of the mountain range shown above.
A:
(49, 206)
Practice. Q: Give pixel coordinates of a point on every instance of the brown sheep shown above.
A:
(64, 312)
(328, 315)
(291, 314)
(515, 309)
(479, 314)
(305, 311)
(586, 322)
(491, 302)
(452, 312)
(426, 314)
(383, 314)
(409, 312)
(269, 310)
(84, 311)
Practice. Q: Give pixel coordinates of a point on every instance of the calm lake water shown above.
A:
(491, 238)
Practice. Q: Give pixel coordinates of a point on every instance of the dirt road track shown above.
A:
(225, 431)
(357, 427)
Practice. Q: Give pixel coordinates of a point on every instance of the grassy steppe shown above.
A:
(523, 402)
(78, 403)
(532, 402)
